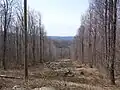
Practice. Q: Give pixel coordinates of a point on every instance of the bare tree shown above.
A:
(113, 20)
(82, 42)
(7, 6)
(41, 49)
(100, 36)
(90, 37)
(25, 25)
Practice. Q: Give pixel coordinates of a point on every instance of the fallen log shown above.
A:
(10, 77)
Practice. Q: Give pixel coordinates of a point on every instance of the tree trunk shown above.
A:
(41, 56)
(33, 46)
(82, 43)
(89, 42)
(94, 44)
(113, 19)
(26, 54)
(5, 41)
(17, 47)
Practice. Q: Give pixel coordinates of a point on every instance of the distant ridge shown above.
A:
(61, 37)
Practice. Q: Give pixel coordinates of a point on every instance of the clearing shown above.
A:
(57, 75)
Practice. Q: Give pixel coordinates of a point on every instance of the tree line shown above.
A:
(15, 40)
(97, 40)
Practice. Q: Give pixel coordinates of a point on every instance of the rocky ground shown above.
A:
(57, 75)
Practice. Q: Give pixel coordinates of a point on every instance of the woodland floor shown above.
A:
(60, 75)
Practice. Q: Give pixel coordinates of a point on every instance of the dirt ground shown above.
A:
(59, 75)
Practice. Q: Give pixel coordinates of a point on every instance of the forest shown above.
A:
(32, 60)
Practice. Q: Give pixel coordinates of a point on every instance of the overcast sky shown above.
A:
(60, 17)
